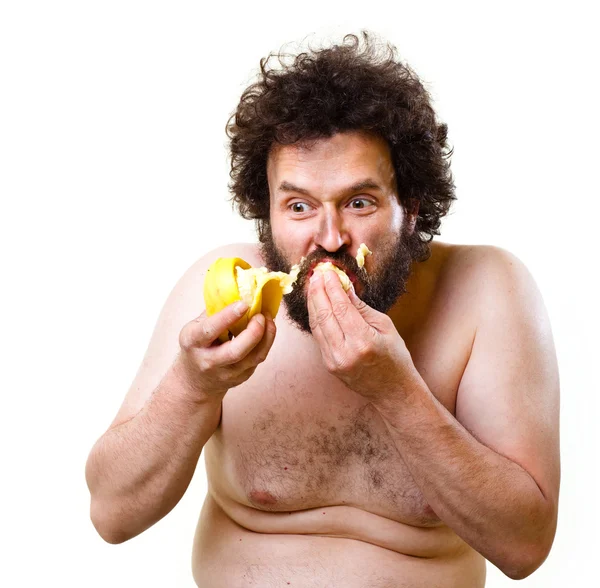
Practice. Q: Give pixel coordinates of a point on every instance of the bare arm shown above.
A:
(139, 470)
(141, 467)
(492, 473)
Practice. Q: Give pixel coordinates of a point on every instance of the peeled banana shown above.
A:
(230, 279)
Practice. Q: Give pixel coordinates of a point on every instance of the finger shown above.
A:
(260, 352)
(321, 315)
(344, 310)
(205, 330)
(236, 350)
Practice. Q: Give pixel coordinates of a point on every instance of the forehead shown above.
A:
(343, 158)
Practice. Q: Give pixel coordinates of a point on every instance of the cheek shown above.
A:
(291, 239)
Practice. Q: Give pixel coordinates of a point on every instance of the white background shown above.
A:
(113, 179)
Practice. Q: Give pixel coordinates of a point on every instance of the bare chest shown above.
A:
(294, 437)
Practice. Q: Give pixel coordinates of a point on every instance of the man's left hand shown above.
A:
(359, 345)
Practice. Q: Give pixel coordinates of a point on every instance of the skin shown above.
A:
(378, 214)
(481, 447)
(381, 449)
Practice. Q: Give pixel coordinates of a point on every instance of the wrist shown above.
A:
(190, 388)
(411, 394)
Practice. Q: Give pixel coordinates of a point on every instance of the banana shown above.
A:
(230, 279)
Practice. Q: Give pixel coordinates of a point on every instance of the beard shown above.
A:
(380, 289)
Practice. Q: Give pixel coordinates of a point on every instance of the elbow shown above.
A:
(528, 557)
(114, 537)
(521, 569)
(107, 529)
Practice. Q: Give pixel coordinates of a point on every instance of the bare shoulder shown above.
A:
(488, 276)
(184, 304)
(477, 261)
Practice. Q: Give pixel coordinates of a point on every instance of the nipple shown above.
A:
(262, 498)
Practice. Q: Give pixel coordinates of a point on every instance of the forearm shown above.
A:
(139, 470)
(487, 499)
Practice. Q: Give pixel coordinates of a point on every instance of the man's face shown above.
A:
(326, 199)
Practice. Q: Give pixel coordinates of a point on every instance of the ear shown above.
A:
(412, 212)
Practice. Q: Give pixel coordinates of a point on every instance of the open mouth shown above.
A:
(350, 274)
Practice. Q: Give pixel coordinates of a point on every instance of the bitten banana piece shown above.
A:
(230, 279)
(360, 260)
(363, 250)
(327, 265)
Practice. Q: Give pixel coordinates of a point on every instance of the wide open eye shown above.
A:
(294, 207)
(366, 203)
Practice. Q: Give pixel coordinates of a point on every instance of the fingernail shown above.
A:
(260, 319)
(314, 277)
(268, 315)
(328, 275)
(240, 307)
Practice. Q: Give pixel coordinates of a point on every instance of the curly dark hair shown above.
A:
(345, 87)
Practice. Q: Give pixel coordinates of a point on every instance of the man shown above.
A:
(397, 435)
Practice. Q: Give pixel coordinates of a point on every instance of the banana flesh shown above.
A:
(363, 250)
(327, 265)
(230, 279)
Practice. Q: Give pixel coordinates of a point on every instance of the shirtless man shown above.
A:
(395, 436)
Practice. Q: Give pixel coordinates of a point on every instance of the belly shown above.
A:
(229, 555)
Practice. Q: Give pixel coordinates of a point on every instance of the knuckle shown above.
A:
(334, 366)
(234, 354)
(340, 309)
(258, 326)
(186, 341)
(363, 356)
(224, 376)
(364, 350)
(312, 323)
(340, 364)
(346, 362)
(322, 316)
(205, 364)
(208, 332)
(387, 321)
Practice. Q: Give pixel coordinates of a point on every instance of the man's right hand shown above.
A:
(211, 368)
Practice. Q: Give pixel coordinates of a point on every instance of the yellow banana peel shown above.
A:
(230, 279)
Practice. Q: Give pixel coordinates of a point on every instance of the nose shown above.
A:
(332, 233)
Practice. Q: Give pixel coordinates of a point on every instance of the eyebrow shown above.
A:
(367, 184)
